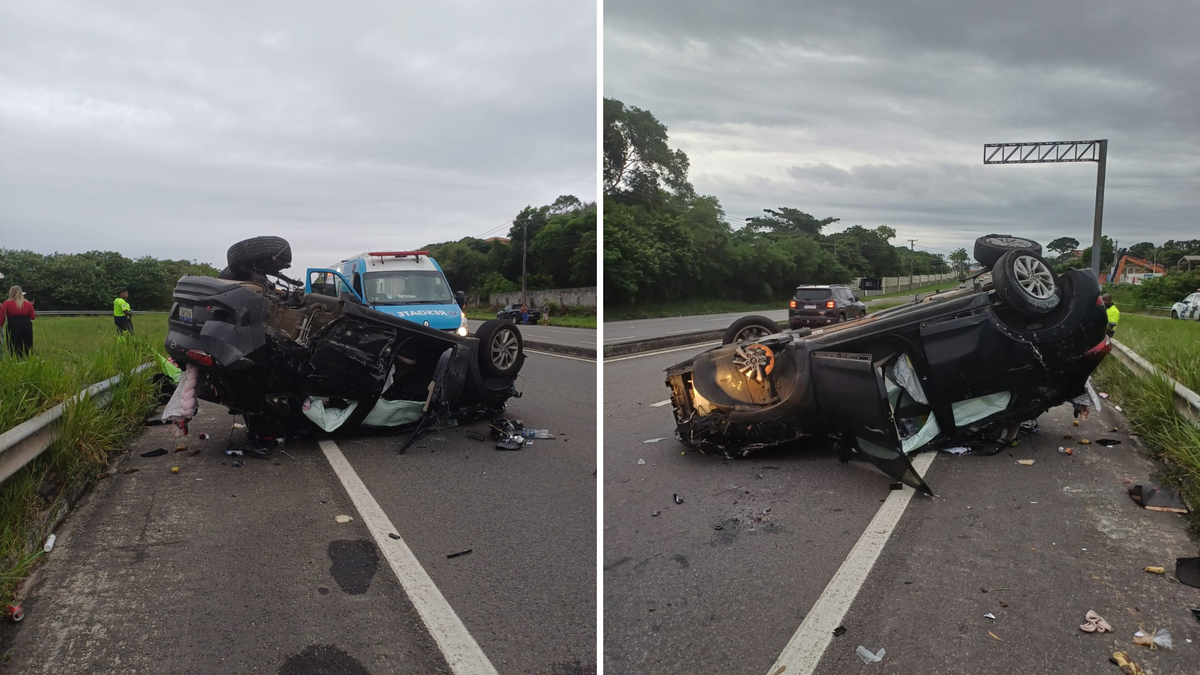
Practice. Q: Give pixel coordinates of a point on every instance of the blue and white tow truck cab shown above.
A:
(407, 284)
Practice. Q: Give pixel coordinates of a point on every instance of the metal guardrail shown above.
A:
(1187, 402)
(24, 442)
(88, 312)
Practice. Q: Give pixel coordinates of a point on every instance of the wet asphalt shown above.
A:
(718, 584)
(224, 569)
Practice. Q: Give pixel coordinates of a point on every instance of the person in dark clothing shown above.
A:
(16, 317)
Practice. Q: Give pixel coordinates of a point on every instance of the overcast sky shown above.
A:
(876, 112)
(174, 129)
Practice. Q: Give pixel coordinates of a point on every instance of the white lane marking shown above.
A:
(660, 404)
(803, 652)
(676, 332)
(460, 649)
(660, 351)
(560, 356)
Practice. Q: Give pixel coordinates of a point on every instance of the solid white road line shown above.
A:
(460, 649)
(657, 352)
(560, 356)
(660, 404)
(803, 652)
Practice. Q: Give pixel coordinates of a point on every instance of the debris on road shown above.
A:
(455, 555)
(1025, 462)
(995, 636)
(1103, 395)
(1187, 571)
(238, 464)
(1065, 451)
(509, 434)
(896, 486)
(1095, 624)
(1156, 570)
(1161, 638)
(1118, 408)
(203, 436)
(49, 543)
(1126, 664)
(655, 513)
(174, 469)
(1084, 441)
(343, 519)
(476, 436)
(841, 630)
(155, 453)
(14, 612)
(1195, 615)
(866, 655)
(652, 440)
(234, 453)
(641, 461)
(1108, 442)
(393, 535)
(961, 450)
(130, 470)
(989, 615)
(1157, 498)
(677, 498)
(180, 448)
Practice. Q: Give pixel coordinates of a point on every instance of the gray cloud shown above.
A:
(876, 112)
(174, 129)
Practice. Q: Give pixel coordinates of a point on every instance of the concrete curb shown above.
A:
(554, 348)
(1187, 402)
(663, 342)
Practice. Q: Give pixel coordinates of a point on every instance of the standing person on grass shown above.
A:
(16, 313)
(1114, 314)
(122, 314)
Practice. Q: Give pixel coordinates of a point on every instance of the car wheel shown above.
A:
(749, 328)
(500, 347)
(1025, 282)
(230, 275)
(1174, 314)
(268, 255)
(841, 318)
(989, 248)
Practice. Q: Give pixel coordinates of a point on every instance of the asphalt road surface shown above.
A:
(579, 337)
(721, 583)
(224, 569)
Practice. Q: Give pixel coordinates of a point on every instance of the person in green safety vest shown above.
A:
(1114, 314)
(122, 314)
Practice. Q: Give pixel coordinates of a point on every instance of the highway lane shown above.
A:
(1036, 546)
(245, 569)
(578, 337)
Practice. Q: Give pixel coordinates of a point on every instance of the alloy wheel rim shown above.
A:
(504, 349)
(1034, 276)
(750, 333)
(1010, 242)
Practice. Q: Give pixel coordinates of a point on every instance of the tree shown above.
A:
(638, 163)
(789, 221)
(960, 260)
(1063, 245)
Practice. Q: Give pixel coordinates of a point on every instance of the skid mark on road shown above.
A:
(803, 652)
(460, 649)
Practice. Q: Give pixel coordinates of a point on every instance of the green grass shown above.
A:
(70, 353)
(576, 319)
(1173, 346)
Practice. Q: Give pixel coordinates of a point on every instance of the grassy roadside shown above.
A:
(568, 321)
(68, 357)
(1147, 402)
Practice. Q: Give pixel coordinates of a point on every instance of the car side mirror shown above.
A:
(461, 299)
(856, 298)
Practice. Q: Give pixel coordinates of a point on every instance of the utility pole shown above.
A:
(912, 252)
(524, 254)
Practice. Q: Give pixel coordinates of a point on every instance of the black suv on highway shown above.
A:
(822, 305)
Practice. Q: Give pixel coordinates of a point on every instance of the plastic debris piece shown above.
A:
(866, 655)
(995, 636)
(393, 535)
(129, 471)
(1103, 395)
(455, 555)
(1108, 442)
(957, 451)
(1118, 408)
(49, 543)
(203, 436)
(180, 448)
(655, 513)
(641, 461)
(989, 615)
(343, 519)
(677, 498)
(839, 631)
(1075, 423)
(238, 464)
(174, 469)
(1126, 664)
(1162, 638)
(1187, 571)
(155, 453)
(235, 453)
(1095, 624)
(896, 486)
(1084, 441)
(514, 444)
(1156, 570)
(1156, 498)
(239, 425)
(652, 440)
(1025, 462)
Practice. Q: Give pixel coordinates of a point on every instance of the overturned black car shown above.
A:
(291, 361)
(943, 370)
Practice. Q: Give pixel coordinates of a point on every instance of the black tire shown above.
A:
(989, 248)
(841, 318)
(1174, 314)
(749, 328)
(230, 275)
(496, 355)
(267, 255)
(1026, 282)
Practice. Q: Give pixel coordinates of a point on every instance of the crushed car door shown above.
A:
(851, 396)
(325, 273)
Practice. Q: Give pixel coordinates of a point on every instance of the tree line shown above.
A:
(1167, 255)
(562, 252)
(665, 243)
(89, 281)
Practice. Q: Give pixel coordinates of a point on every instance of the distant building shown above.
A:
(1134, 270)
(1077, 253)
(502, 240)
(1189, 262)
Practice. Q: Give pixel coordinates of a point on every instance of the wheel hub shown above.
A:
(754, 361)
(1034, 276)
